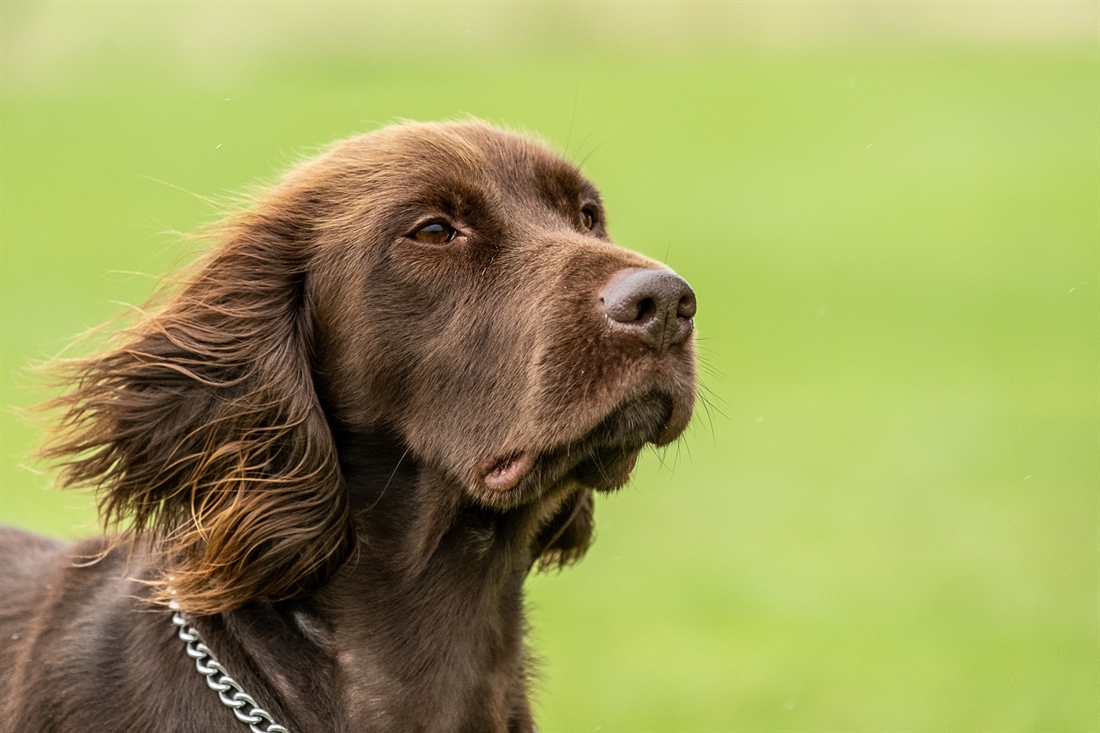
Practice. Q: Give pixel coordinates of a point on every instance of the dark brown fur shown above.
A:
(295, 450)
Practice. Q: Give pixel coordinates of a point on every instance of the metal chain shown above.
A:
(218, 680)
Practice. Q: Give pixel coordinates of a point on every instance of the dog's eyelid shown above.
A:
(434, 231)
(590, 216)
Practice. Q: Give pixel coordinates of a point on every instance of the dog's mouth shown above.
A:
(507, 472)
(602, 459)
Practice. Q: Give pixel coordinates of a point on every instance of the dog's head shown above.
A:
(470, 299)
(449, 284)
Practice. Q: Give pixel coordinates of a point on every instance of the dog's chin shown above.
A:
(607, 469)
(602, 459)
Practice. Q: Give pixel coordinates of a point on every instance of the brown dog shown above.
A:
(338, 450)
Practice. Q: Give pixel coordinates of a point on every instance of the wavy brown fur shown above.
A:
(204, 430)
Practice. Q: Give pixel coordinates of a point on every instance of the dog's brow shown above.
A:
(457, 199)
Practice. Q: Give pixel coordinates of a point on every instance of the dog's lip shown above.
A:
(603, 458)
(506, 472)
(612, 466)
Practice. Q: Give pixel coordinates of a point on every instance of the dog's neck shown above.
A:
(427, 618)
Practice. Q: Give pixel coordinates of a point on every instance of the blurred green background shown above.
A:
(889, 516)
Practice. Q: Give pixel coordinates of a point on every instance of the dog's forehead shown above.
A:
(433, 153)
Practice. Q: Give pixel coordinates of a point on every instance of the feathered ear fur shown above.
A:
(203, 429)
(566, 537)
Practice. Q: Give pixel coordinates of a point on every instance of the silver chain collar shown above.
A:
(218, 680)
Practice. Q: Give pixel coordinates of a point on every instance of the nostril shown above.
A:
(686, 307)
(647, 308)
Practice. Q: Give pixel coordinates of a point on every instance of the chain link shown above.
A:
(217, 679)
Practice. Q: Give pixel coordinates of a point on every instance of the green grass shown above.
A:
(887, 519)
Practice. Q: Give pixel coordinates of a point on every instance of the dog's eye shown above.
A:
(437, 232)
(588, 217)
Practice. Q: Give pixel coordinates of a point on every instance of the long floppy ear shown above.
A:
(566, 537)
(203, 429)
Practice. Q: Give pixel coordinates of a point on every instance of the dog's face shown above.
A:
(467, 297)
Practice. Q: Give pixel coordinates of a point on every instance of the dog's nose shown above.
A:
(655, 305)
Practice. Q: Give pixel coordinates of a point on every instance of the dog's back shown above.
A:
(28, 575)
(31, 572)
(66, 620)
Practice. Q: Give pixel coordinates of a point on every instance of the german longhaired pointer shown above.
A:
(333, 454)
